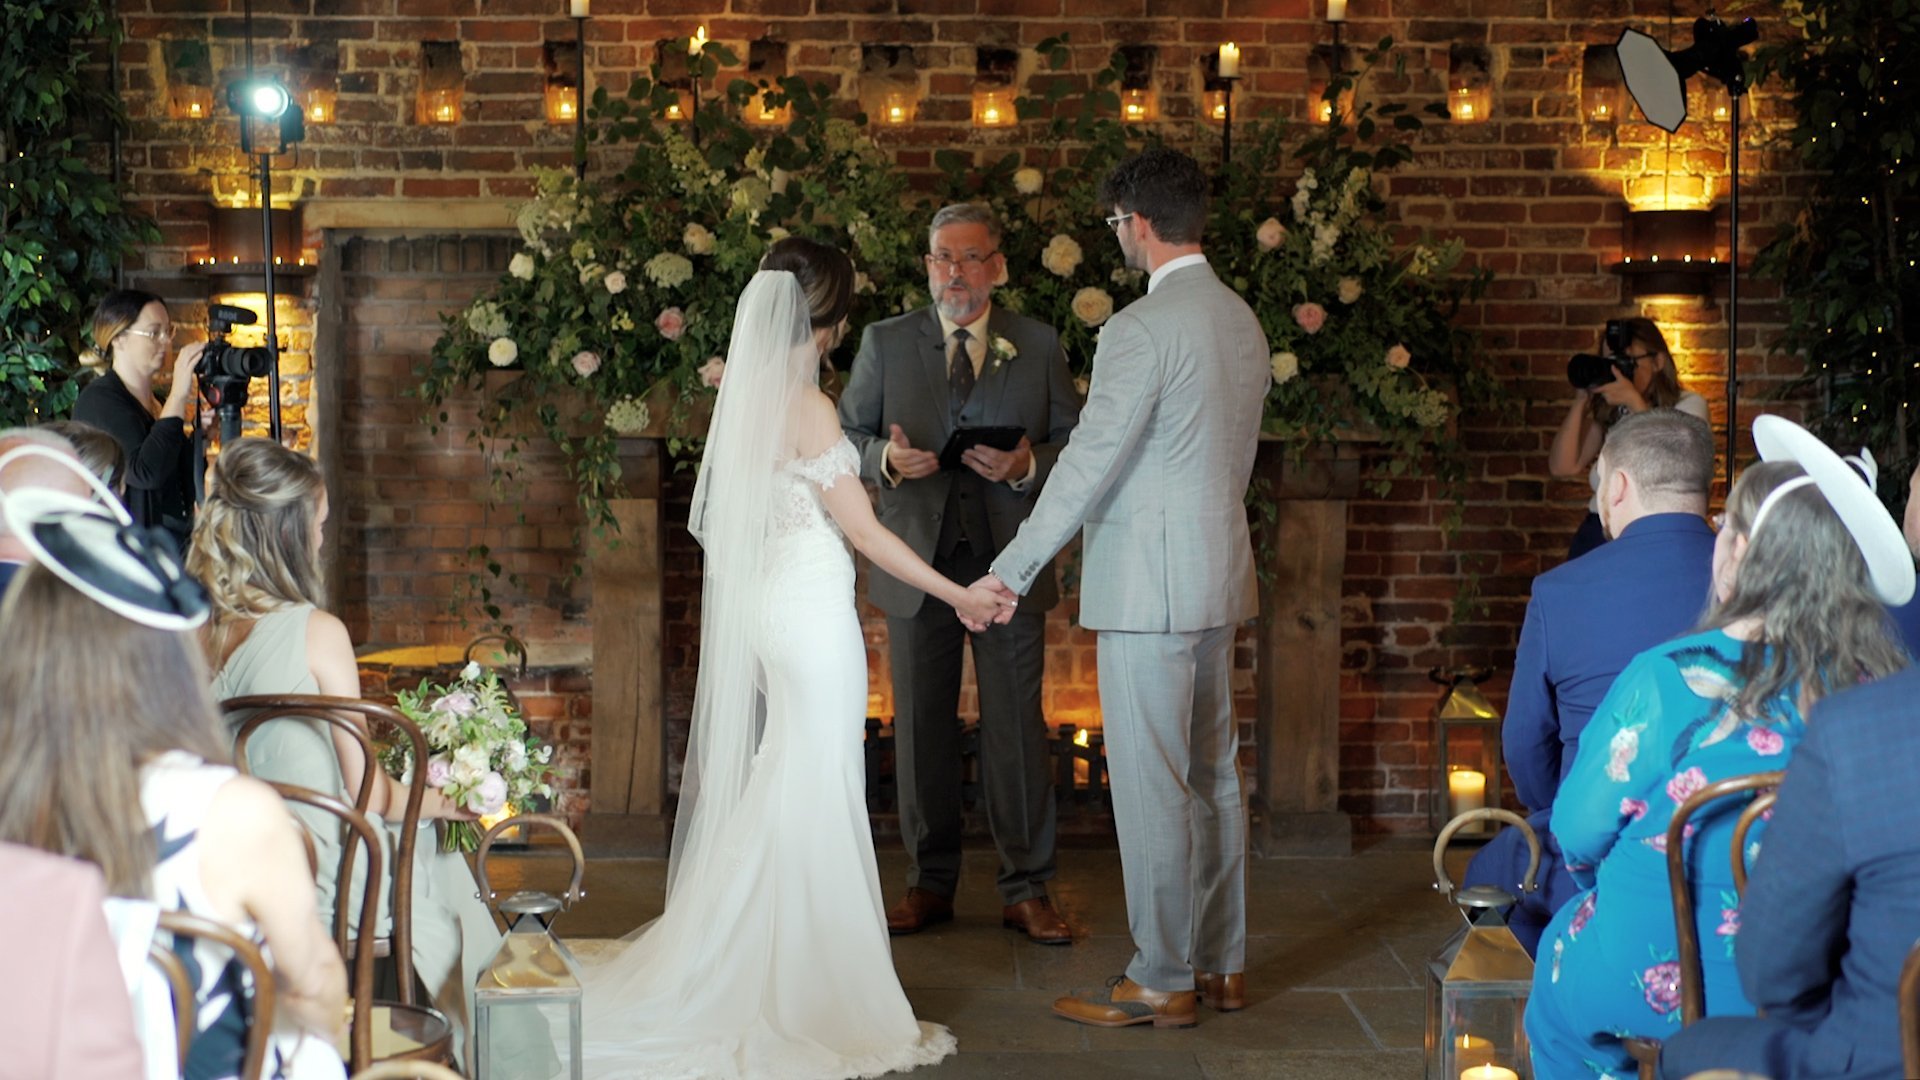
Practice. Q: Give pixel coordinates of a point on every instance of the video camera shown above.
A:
(1589, 372)
(225, 369)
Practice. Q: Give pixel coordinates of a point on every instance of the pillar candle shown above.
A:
(1467, 789)
(578, 8)
(1489, 1072)
(1229, 60)
(1336, 10)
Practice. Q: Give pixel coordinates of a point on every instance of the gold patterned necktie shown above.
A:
(960, 370)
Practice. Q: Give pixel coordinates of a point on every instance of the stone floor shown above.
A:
(1335, 967)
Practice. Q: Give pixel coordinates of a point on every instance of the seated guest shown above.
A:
(97, 450)
(1833, 904)
(1587, 619)
(1801, 571)
(32, 471)
(110, 751)
(64, 1010)
(256, 543)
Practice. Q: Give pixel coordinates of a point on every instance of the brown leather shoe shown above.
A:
(1036, 918)
(1128, 1003)
(1221, 993)
(920, 909)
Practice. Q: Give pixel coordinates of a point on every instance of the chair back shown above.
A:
(1910, 1011)
(1693, 990)
(361, 1037)
(334, 711)
(186, 1007)
(260, 1031)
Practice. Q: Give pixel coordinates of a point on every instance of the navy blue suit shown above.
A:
(1833, 904)
(1587, 619)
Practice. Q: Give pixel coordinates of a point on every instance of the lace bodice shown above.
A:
(797, 486)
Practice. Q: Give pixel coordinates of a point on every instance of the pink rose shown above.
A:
(437, 771)
(489, 795)
(586, 363)
(1634, 809)
(712, 371)
(1310, 316)
(1661, 985)
(1682, 787)
(1765, 741)
(459, 703)
(1399, 357)
(671, 323)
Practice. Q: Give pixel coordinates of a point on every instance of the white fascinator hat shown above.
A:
(1847, 486)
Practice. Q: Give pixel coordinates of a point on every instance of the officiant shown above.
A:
(999, 380)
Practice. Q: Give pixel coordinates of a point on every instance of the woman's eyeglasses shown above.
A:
(161, 337)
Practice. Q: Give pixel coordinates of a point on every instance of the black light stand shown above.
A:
(255, 99)
(580, 100)
(1226, 119)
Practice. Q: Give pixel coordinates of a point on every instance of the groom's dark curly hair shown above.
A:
(1164, 186)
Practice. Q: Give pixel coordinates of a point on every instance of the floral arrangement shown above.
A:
(480, 756)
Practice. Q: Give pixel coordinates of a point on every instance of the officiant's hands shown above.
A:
(911, 464)
(1005, 601)
(1000, 465)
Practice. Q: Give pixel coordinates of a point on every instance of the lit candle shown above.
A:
(990, 114)
(1471, 1050)
(674, 113)
(193, 109)
(1489, 1072)
(896, 114)
(698, 41)
(579, 8)
(1229, 61)
(1336, 10)
(1326, 111)
(1467, 790)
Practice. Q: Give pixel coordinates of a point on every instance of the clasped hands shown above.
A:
(993, 602)
(993, 465)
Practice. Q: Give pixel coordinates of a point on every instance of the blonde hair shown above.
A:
(91, 697)
(118, 311)
(253, 537)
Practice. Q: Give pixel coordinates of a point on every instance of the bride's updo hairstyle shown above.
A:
(825, 273)
(253, 539)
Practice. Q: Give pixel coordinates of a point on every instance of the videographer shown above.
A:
(1634, 373)
(132, 337)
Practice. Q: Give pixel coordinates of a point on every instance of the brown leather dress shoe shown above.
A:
(920, 909)
(1128, 1003)
(1221, 993)
(1036, 918)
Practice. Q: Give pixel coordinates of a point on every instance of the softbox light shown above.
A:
(1657, 79)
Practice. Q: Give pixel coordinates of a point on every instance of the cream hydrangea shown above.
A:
(486, 319)
(1092, 305)
(1062, 255)
(669, 269)
(628, 416)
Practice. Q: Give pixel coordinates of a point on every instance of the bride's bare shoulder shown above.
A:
(817, 423)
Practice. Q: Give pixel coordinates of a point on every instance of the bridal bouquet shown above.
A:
(480, 755)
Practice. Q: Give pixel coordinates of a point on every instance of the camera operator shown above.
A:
(132, 337)
(1634, 374)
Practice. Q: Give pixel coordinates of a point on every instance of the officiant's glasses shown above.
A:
(969, 261)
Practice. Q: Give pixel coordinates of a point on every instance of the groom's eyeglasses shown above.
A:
(1114, 221)
(970, 261)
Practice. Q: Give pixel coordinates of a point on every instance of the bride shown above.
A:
(772, 957)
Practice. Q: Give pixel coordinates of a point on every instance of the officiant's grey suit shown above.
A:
(1157, 471)
(958, 521)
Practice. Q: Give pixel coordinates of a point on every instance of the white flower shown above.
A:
(502, 352)
(1062, 255)
(712, 372)
(1028, 181)
(471, 671)
(487, 320)
(1285, 366)
(1351, 290)
(1002, 351)
(697, 239)
(628, 416)
(1325, 236)
(1423, 261)
(616, 283)
(1398, 357)
(521, 266)
(777, 234)
(1092, 305)
(591, 272)
(669, 269)
(582, 251)
(585, 363)
(1271, 234)
(1125, 276)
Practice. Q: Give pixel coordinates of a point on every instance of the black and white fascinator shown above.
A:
(1847, 484)
(136, 572)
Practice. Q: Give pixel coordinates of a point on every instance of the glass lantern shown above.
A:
(1477, 984)
(1467, 774)
(532, 969)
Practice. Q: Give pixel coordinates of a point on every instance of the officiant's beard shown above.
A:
(959, 302)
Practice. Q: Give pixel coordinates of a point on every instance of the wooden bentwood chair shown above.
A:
(182, 924)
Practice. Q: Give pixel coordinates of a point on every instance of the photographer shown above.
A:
(1634, 374)
(132, 335)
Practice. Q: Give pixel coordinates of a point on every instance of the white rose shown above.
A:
(1028, 181)
(1062, 255)
(1092, 305)
(1351, 290)
(616, 283)
(471, 671)
(1271, 234)
(502, 352)
(1285, 366)
(697, 239)
(521, 266)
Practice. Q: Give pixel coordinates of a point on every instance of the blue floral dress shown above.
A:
(1609, 968)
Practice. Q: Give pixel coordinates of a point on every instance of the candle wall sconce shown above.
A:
(314, 78)
(443, 83)
(889, 85)
(994, 73)
(1469, 83)
(189, 67)
(1321, 66)
(319, 104)
(766, 66)
(675, 65)
(1465, 776)
(1601, 86)
(1139, 103)
(236, 260)
(563, 99)
(1670, 253)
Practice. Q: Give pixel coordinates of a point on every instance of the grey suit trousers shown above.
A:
(1172, 755)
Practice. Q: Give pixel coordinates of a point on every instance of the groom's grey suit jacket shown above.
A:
(1158, 468)
(900, 377)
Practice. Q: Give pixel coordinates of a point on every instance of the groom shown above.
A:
(964, 363)
(1157, 473)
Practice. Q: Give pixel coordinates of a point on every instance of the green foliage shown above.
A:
(63, 228)
(1846, 264)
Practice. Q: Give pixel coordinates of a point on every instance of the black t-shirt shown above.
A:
(159, 455)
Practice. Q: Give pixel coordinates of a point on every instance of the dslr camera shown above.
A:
(1588, 372)
(226, 369)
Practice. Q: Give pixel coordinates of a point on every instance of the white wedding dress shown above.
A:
(772, 957)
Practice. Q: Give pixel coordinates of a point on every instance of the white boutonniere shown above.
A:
(1002, 351)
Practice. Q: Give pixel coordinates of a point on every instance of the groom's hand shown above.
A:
(911, 464)
(992, 583)
(1000, 465)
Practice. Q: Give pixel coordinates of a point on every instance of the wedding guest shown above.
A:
(132, 337)
(1647, 381)
(257, 547)
(1587, 618)
(64, 1011)
(97, 450)
(960, 363)
(110, 751)
(32, 471)
(1801, 568)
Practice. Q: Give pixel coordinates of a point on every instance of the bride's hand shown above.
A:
(984, 606)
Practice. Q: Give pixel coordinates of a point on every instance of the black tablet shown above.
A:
(966, 438)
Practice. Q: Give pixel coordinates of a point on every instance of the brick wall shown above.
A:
(1537, 193)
